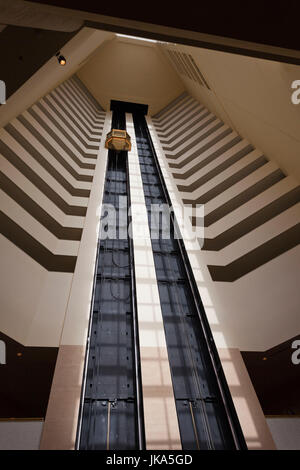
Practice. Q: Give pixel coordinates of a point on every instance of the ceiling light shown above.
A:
(61, 59)
(136, 37)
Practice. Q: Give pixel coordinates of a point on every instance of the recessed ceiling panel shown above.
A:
(133, 70)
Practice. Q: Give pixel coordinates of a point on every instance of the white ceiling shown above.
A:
(133, 70)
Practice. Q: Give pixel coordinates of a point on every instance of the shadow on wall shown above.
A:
(26, 379)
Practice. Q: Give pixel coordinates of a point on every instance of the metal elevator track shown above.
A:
(111, 416)
(206, 415)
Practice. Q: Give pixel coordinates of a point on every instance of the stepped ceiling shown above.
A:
(134, 70)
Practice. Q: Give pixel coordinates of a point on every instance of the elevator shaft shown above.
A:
(111, 415)
(206, 415)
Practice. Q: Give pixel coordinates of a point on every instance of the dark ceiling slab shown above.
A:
(259, 22)
(25, 50)
(275, 378)
(127, 107)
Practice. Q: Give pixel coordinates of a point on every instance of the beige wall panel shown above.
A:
(47, 324)
(59, 431)
(252, 419)
(33, 301)
(285, 431)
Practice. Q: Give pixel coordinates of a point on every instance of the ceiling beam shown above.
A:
(255, 30)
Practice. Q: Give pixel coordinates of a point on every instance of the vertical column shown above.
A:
(161, 424)
(62, 414)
